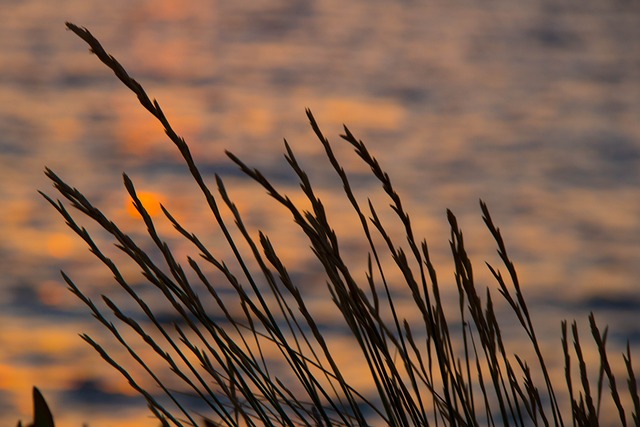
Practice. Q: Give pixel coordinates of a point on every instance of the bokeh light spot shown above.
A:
(151, 202)
(60, 245)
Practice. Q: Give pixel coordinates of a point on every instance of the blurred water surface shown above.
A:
(533, 107)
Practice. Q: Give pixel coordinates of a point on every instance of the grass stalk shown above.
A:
(443, 369)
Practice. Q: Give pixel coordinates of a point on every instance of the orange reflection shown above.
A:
(151, 202)
(9, 377)
(138, 135)
(372, 113)
(60, 245)
(141, 135)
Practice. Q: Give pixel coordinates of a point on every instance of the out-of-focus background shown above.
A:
(532, 106)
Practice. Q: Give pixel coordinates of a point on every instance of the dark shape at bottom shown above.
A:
(41, 414)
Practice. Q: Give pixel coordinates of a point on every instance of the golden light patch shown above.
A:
(60, 245)
(10, 376)
(151, 202)
(54, 341)
(374, 114)
(139, 134)
(18, 381)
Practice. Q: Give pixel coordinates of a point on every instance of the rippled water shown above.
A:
(532, 107)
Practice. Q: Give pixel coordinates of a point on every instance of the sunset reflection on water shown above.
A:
(532, 107)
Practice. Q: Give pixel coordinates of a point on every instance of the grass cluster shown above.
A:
(444, 369)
